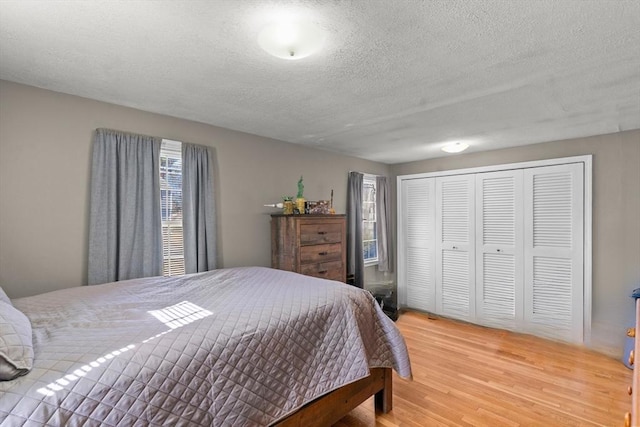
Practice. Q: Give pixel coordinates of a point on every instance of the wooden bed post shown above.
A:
(384, 398)
(329, 408)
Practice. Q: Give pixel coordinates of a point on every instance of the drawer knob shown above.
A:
(322, 233)
(627, 420)
(322, 272)
(323, 253)
(631, 357)
(629, 390)
(631, 332)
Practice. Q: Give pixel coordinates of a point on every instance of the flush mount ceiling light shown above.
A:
(455, 147)
(291, 40)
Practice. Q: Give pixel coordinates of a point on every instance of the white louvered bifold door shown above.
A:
(419, 231)
(554, 221)
(499, 249)
(455, 247)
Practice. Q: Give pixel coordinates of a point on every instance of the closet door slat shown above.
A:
(455, 248)
(420, 243)
(554, 255)
(499, 249)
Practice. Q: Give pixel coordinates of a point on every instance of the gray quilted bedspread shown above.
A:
(232, 347)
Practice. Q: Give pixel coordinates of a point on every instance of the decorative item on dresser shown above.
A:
(314, 245)
(632, 418)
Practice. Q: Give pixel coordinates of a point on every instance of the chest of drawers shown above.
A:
(314, 245)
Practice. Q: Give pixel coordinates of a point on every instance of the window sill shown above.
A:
(370, 263)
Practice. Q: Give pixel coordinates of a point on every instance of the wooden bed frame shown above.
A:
(328, 409)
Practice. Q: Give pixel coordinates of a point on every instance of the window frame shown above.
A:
(171, 150)
(370, 180)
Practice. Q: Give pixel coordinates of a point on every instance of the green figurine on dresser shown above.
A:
(300, 197)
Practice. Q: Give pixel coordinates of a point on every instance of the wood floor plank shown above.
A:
(470, 376)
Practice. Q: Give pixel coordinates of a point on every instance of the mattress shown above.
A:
(231, 347)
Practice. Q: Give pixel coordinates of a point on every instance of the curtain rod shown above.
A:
(366, 173)
(162, 138)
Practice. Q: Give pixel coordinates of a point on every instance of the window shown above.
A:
(369, 216)
(171, 207)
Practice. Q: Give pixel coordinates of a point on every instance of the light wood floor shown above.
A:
(466, 375)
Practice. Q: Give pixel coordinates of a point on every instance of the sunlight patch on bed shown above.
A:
(58, 384)
(174, 316)
(181, 314)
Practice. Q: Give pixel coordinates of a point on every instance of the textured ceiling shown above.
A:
(395, 81)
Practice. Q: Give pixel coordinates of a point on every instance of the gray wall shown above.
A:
(45, 149)
(616, 218)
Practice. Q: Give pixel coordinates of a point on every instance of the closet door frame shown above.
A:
(586, 160)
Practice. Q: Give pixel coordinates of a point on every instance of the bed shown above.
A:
(243, 346)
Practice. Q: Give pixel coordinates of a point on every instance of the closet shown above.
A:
(501, 246)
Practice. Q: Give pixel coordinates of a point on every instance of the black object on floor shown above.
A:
(387, 303)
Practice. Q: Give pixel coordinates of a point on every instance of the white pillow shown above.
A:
(4, 297)
(16, 343)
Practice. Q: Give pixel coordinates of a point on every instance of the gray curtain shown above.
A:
(355, 257)
(383, 223)
(198, 209)
(125, 237)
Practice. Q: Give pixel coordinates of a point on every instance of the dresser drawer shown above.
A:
(314, 245)
(320, 253)
(316, 234)
(326, 270)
